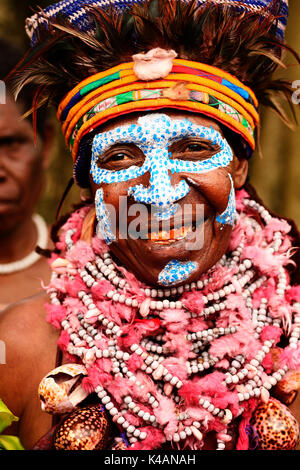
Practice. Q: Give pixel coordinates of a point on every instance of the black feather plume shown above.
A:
(242, 44)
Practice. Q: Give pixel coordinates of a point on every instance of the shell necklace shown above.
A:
(170, 365)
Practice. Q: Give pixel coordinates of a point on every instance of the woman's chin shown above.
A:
(147, 259)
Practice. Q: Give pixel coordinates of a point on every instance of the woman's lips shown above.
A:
(9, 204)
(181, 248)
(177, 239)
(176, 229)
(185, 227)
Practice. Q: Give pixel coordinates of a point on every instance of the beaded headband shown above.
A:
(77, 13)
(190, 86)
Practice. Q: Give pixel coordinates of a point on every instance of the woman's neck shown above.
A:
(18, 242)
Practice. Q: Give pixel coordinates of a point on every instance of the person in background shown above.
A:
(22, 168)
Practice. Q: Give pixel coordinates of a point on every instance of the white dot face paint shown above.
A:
(228, 217)
(153, 135)
(176, 272)
(104, 228)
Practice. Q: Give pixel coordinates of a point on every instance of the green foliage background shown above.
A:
(276, 175)
(6, 419)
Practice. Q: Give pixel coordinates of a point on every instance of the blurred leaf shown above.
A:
(10, 443)
(6, 417)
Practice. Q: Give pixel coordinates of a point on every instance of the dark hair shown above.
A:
(10, 56)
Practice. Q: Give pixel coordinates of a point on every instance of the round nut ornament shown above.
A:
(84, 429)
(61, 391)
(276, 427)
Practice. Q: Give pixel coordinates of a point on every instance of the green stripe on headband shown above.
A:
(98, 83)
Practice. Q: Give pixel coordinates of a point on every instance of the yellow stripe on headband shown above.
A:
(87, 81)
(129, 67)
(131, 78)
(227, 99)
(97, 97)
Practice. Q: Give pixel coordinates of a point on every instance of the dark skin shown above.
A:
(30, 354)
(31, 342)
(22, 167)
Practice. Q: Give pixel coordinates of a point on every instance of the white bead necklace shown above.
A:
(245, 377)
(33, 257)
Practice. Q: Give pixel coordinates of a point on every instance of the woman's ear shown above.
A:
(240, 172)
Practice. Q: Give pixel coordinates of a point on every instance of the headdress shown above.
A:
(190, 86)
(85, 55)
(78, 13)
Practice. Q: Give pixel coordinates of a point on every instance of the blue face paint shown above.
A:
(104, 228)
(165, 213)
(228, 217)
(153, 134)
(175, 272)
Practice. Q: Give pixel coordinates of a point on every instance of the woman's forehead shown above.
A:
(11, 121)
(129, 119)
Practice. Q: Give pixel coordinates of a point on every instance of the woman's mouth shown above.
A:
(173, 231)
(171, 236)
(186, 226)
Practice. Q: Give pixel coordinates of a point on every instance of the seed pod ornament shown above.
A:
(275, 426)
(85, 428)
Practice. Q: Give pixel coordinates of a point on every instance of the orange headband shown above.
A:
(190, 86)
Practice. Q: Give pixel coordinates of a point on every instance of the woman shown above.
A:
(173, 290)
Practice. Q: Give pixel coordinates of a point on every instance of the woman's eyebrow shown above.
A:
(105, 145)
(106, 140)
(116, 145)
(196, 140)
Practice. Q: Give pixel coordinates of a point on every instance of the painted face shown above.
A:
(165, 164)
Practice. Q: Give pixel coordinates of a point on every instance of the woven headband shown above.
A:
(190, 86)
(77, 13)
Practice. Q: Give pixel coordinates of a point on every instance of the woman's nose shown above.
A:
(160, 192)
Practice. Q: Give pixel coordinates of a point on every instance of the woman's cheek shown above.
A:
(215, 186)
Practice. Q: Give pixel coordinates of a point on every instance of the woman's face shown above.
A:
(164, 194)
(21, 167)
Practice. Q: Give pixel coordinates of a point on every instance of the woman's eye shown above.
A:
(115, 158)
(194, 148)
(121, 158)
(118, 157)
(12, 143)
